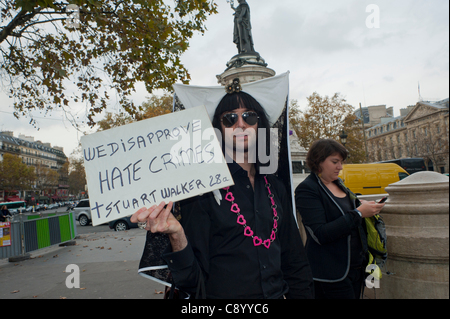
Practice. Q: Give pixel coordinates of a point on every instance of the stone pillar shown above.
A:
(247, 67)
(417, 226)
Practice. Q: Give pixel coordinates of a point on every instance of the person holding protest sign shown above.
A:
(243, 240)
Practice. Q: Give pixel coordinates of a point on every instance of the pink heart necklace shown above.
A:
(248, 232)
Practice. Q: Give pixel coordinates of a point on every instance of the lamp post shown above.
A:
(343, 138)
(364, 131)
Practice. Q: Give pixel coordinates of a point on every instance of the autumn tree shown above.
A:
(355, 141)
(14, 174)
(46, 178)
(63, 171)
(431, 144)
(77, 175)
(48, 61)
(327, 117)
(155, 105)
(114, 120)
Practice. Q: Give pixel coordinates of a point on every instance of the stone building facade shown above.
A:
(421, 131)
(37, 154)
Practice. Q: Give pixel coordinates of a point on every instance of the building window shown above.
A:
(297, 167)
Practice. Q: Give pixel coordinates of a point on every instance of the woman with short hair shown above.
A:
(334, 218)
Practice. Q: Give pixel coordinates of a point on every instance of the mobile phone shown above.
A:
(383, 200)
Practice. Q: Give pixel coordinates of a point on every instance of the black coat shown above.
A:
(3, 214)
(328, 228)
(230, 263)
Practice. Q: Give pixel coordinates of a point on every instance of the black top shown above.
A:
(356, 250)
(330, 225)
(232, 266)
(3, 214)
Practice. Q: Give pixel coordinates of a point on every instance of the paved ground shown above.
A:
(108, 263)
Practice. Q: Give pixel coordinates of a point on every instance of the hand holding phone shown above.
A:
(384, 199)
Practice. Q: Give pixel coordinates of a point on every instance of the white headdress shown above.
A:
(271, 93)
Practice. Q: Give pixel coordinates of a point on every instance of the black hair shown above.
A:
(235, 101)
(238, 100)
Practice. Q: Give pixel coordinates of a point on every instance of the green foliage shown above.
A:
(47, 65)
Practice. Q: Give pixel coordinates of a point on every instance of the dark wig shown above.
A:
(235, 101)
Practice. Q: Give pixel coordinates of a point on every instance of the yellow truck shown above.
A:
(368, 179)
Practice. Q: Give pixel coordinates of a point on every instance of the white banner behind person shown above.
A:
(166, 158)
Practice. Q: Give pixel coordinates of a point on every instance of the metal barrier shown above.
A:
(15, 249)
(37, 231)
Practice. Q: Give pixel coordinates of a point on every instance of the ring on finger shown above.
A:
(142, 225)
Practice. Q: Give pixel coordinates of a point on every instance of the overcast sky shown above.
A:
(327, 47)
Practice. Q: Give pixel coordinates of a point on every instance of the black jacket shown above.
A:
(328, 229)
(3, 214)
(231, 265)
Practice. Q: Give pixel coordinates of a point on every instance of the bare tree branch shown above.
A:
(20, 19)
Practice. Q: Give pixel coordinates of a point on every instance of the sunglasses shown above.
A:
(229, 119)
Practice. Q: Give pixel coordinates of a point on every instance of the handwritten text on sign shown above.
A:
(167, 158)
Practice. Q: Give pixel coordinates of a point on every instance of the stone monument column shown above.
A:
(417, 227)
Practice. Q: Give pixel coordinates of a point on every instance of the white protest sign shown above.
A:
(166, 158)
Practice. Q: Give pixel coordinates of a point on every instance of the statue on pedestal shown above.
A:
(247, 65)
(242, 35)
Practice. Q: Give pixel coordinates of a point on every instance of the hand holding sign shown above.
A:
(159, 219)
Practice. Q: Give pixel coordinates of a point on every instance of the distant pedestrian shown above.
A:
(3, 213)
